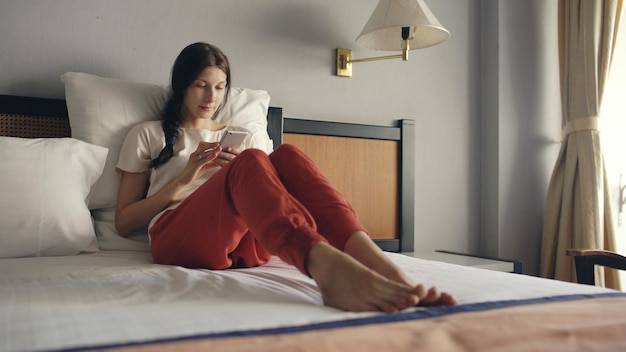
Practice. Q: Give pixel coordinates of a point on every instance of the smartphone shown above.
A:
(233, 139)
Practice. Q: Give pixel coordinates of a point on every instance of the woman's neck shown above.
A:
(205, 124)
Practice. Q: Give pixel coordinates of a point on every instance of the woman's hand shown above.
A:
(199, 161)
(227, 156)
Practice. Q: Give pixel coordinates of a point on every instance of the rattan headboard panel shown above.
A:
(34, 126)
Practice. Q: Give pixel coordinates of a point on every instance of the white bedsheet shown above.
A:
(122, 297)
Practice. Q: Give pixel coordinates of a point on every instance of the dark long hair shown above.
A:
(188, 65)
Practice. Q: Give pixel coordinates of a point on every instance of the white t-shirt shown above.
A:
(145, 141)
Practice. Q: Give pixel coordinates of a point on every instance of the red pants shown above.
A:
(254, 207)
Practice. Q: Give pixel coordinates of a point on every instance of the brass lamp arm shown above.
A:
(399, 56)
(345, 60)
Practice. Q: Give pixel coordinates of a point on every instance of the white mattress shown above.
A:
(111, 298)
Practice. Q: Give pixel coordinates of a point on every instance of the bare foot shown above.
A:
(364, 250)
(434, 297)
(349, 285)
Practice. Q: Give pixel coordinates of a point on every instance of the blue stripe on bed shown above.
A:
(420, 313)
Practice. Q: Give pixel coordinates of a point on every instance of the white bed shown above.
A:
(85, 288)
(115, 299)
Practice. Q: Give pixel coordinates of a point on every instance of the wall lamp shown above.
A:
(395, 25)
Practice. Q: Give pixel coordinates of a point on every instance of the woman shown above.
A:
(212, 208)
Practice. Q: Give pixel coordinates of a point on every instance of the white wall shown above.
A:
(479, 99)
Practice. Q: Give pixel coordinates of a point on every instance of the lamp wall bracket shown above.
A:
(344, 62)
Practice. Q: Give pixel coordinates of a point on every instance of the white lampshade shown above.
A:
(383, 31)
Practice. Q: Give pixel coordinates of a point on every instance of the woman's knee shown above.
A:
(253, 152)
(252, 155)
(250, 159)
(285, 151)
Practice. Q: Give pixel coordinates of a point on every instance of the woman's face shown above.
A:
(204, 95)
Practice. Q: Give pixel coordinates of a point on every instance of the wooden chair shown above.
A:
(586, 259)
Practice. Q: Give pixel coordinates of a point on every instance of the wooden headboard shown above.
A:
(373, 166)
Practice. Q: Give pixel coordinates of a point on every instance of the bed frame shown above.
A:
(373, 166)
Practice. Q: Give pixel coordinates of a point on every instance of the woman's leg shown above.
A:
(212, 228)
(281, 224)
(335, 218)
(252, 191)
(337, 221)
(205, 232)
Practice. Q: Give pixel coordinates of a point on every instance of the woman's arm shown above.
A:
(134, 212)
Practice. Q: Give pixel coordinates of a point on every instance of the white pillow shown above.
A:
(45, 186)
(102, 111)
(247, 108)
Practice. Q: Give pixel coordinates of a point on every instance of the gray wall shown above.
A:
(521, 125)
(485, 101)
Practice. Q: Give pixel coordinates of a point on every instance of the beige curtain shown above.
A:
(578, 207)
